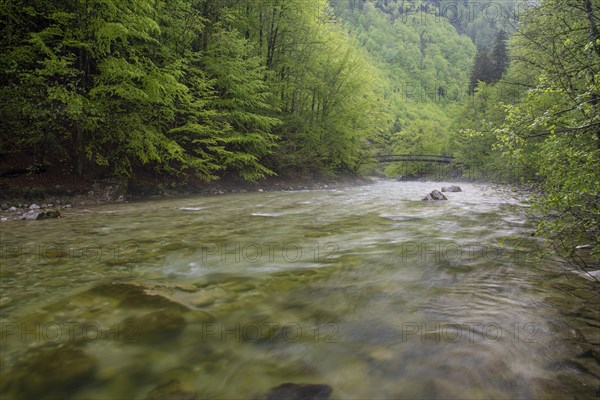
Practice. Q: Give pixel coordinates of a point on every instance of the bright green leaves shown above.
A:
(121, 26)
(421, 137)
(423, 71)
(220, 87)
(242, 103)
(551, 129)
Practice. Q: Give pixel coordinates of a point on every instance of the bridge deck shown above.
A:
(414, 158)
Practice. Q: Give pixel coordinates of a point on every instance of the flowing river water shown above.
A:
(365, 289)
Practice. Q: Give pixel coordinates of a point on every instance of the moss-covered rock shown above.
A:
(435, 195)
(50, 373)
(153, 327)
(299, 391)
(136, 296)
(48, 214)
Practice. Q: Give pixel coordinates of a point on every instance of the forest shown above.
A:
(246, 89)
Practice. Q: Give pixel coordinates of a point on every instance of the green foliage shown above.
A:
(186, 86)
(325, 89)
(424, 63)
(242, 102)
(543, 119)
(490, 66)
(554, 128)
(421, 137)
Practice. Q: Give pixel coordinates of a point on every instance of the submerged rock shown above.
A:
(203, 298)
(145, 300)
(4, 301)
(136, 296)
(50, 373)
(171, 391)
(300, 391)
(452, 188)
(434, 196)
(154, 326)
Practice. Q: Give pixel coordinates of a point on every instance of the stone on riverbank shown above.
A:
(37, 214)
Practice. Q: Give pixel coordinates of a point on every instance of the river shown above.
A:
(365, 289)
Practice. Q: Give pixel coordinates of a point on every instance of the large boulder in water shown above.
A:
(452, 188)
(300, 391)
(434, 196)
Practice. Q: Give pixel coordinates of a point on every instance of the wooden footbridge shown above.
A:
(386, 158)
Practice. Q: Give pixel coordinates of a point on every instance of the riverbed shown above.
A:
(365, 289)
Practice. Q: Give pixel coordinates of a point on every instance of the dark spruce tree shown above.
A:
(490, 67)
(482, 70)
(499, 57)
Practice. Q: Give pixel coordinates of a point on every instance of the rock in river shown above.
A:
(50, 373)
(434, 195)
(133, 295)
(300, 391)
(48, 214)
(30, 215)
(36, 214)
(452, 188)
(4, 301)
(153, 327)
